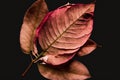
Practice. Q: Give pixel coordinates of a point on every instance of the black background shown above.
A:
(103, 63)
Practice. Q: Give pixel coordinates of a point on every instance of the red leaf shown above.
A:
(64, 30)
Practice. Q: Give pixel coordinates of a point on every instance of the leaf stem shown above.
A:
(37, 59)
(33, 61)
(23, 74)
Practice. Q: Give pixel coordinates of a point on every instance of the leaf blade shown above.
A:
(73, 70)
(32, 18)
(87, 48)
(54, 28)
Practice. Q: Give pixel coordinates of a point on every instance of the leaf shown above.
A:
(32, 19)
(71, 71)
(64, 31)
(87, 48)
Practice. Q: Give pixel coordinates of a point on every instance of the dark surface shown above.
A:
(102, 63)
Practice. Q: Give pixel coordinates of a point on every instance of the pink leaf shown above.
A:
(70, 71)
(64, 30)
(32, 19)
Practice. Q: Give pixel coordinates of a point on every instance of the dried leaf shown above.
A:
(64, 31)
(71, 71)
(87, 48)
(32, 19)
